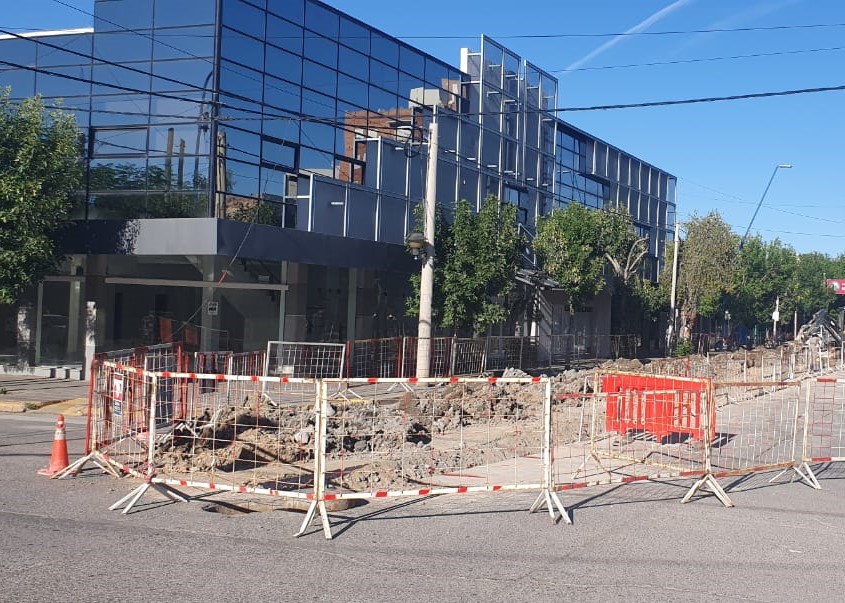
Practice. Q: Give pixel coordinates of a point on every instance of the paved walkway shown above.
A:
(20, 393)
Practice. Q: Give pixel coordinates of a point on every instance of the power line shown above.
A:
(631, 34)
(702, 60)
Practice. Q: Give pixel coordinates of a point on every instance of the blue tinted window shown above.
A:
(278, 154)
(241, 145)
(411, 61)
(120, 142)
(384, 76)
(242, 179)
(235, 46)
(240, 81)
(184, 12)
(321, 20)
(354, 35)
(134, 76)
(119, 109)
(321, 50)
(385, 50)
(354, 63)
(183, 43)
(319, 78)
(122, 14)
(184, 139)
(352, 90)
(51, 57)
(244, 17)
(281, 96)
(286, 130)
(289, 9)
(55, 85)
(381, 100)
(185, 75)
(118, 174)
(21, 52)
(190, 106)
(319, 105)
(284, 64)
(123, 46)
(21, 82)
(284, 34)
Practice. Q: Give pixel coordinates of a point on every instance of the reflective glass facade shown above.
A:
(293, 114)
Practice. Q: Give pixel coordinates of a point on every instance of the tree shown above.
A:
(475, 264)
(40, 168)
(706, 264)
(623, 248)
(570, 248)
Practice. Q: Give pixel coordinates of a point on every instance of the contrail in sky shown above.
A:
(641, 26)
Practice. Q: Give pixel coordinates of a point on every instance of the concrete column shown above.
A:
(26, 335)
(352, 304)
(283, 299)
(209, 337)
(90, 338)
(74, 302)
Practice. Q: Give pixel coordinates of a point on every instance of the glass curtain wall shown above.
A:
(149, 134)
(306, 93)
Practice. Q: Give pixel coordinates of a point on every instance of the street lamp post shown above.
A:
(747, 230)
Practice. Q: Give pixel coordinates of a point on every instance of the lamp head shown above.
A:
(785, 166)
(415, 241)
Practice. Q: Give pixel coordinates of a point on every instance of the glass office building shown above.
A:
(253, 166)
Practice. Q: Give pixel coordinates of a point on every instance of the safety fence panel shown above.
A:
(234, 439)
(756, 426)
(409, 437)
(468, 356)
(374, 358)
(121, 406)
(823, 438)
(246, 363)
(514, 352)
(440, 363)
(655, 426)
(304, 360)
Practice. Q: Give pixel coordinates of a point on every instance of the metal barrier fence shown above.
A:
(578, 347)
(293, 438)
(823, 437)
(304, 360)
(374, 357)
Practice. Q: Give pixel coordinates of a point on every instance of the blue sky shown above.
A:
(722, 153)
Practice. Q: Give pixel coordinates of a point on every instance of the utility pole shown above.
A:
(673, 325)
(427, 276)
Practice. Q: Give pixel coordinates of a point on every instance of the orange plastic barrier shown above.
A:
(660, 406)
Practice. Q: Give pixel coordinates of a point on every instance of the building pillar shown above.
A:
(210, 314)
(352, 304)
(90, 338)
(73, 318)
(25, 335)
(283, 298)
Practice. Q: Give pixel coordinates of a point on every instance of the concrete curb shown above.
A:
(72, 407)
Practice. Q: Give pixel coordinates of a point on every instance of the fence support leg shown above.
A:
(551, 501)
(714, 486)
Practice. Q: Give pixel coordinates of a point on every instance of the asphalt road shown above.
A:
(58, 542)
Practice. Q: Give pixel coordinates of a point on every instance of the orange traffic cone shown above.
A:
(58, 458)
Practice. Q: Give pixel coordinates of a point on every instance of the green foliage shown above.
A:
(623, 249)
(570, 248)
(476, 260)
(39, 170)
(706, 265)
(767, 271)
(683, 348)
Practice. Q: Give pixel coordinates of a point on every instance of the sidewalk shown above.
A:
(24, 393)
